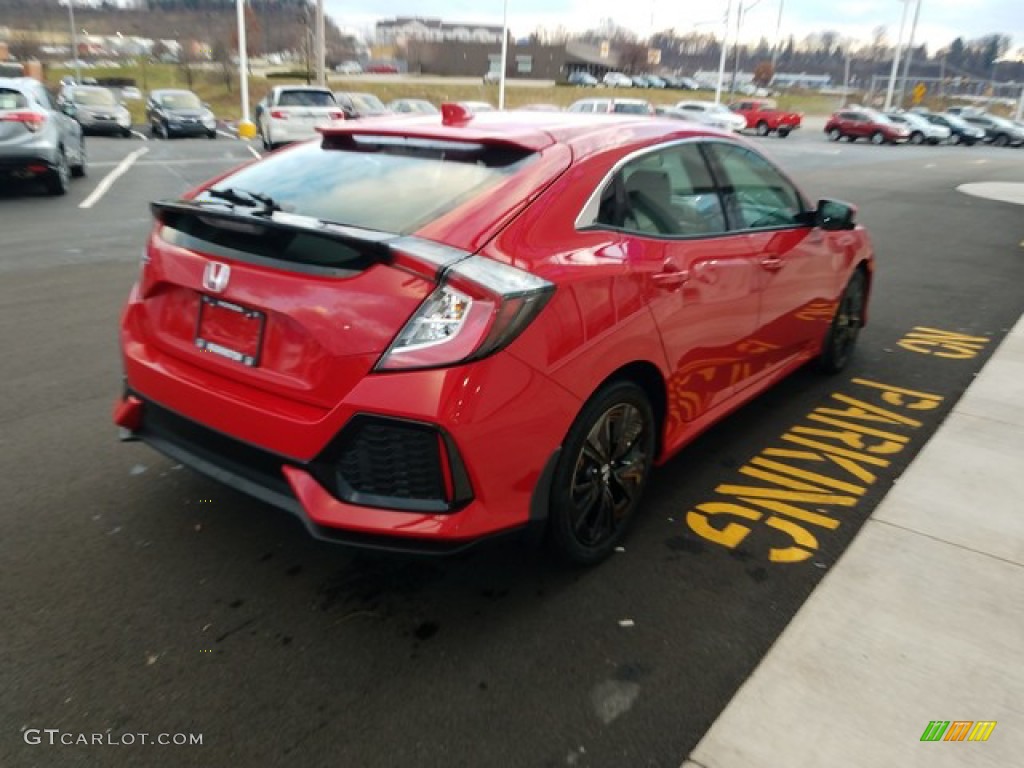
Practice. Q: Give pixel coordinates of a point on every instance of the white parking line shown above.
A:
(110, 178)
(255, 154)
(226, 134)
(149, 163)
(140, 135)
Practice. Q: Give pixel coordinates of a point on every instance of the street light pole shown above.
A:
(909, 54)
(321, 44)
(74, 41)
(504, 55)
(778, 40)
(721, 58)
(896, 58)
(246, 129)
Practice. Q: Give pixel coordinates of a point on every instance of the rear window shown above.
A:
(382, 183)
(367, 102)
(630, 108)
(12, 99)
(94, 98)
(305, 99)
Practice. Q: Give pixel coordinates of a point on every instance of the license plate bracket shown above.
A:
(230, 330)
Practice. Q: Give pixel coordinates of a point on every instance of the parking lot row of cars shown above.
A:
(919, 126)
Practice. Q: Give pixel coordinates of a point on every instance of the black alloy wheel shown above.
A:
(59, 179)
(846, 325)
(601, 474)
(79, 169)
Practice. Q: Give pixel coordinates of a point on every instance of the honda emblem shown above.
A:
(216, 276)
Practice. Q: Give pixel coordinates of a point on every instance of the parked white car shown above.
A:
(719, 112)
(294, 112)
(921, 130)
(617, 80)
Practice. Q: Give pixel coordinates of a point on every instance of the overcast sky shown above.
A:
(941, 20)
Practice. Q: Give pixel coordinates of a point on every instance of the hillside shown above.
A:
(273, 25)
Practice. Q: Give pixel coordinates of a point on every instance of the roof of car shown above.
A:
(530, 130)
(298, 87)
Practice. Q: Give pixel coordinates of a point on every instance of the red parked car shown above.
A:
(422, 331)
(764, 117)
(853, 124)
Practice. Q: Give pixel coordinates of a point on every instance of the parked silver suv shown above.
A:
(37, 141)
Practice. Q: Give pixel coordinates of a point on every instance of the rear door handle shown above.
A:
(772, 263)
(671, 277)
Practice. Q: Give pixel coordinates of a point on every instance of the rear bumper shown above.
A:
(188, 129)
(478, 442)
(25, 167)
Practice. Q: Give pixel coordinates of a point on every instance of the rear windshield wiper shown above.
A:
(236, 196)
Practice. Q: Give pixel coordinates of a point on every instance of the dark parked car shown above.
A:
(584, 79)
(97, 110)
(998, 130)
(37, 141)
(356, 105)
(853, 124)
(961, 132)
(179, 113)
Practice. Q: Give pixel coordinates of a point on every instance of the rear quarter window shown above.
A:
(12, 99)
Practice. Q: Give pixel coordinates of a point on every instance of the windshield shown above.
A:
(383, 183)
(180, 101)
(94, 98)
(306, 99)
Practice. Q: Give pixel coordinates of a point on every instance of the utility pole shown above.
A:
(321, 44)
(910, 53)
(736, 51)
(74, 41)
(504, 56)
(896, 58)
(778, 40)
(246, 129)
(721, 58)
(846, 76)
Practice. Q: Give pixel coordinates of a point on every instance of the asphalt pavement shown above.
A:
(141, 598)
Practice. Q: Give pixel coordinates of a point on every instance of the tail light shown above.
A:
(31, 120)
(479, 307)
(278, 114)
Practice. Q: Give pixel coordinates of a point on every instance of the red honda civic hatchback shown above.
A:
(416, 333)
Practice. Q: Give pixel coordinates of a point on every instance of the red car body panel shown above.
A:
(711, 322)
(865, 128)
(757, 112)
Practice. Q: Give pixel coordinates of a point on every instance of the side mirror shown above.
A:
(834, 216)
(68, 108)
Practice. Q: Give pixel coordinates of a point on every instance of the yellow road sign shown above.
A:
(919, 91)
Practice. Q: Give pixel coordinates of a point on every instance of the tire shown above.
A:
(835, 134)
(211, 135)
(763, 129)
(1001, 140)
(126, 133)
(598, 483)
(59, 179)
(79, 171)
(955, 139)
(917, 138)
(783, 132)
(878, 138)
(849, 319)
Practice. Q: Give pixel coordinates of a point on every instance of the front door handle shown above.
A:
(772, 263)
(670, 277)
